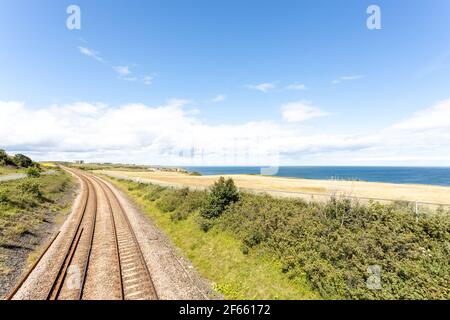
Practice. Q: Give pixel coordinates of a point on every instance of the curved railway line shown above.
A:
(132, 278)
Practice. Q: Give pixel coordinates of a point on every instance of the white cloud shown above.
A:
(263, 87)
(347, 78)
(296, 86)
(219, 98)
(174, 134)
(435, 117)
(122, 70)
(300, 111)
(131, 79)
(91, 53)
(147, 80)
(145, 134)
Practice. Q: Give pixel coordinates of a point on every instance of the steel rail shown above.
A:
(127, 221)
(91, 241)
(59, 279)
(116, 240)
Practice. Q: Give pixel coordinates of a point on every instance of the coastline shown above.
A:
(439, 195)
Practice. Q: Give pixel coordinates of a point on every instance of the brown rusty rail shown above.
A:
(58, 282)
(136, 281)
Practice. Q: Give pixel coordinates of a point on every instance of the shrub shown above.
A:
(336, 242)
(22, 161)
(204, 223)
(192, 202)
(33, 172)
(171, 199)
(5, 160)
(223, 193)
(154, 192)
(30, 187)
(3, 197)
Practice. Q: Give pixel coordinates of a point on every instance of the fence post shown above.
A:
(417, 211)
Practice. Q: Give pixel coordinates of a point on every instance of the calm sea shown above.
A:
(416, 175)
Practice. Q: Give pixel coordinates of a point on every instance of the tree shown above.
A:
(22, 161)
(223, 193)
(5, 160)
(3, 157)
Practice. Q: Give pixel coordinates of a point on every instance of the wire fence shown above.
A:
(418, 207)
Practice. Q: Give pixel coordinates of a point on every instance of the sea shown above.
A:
(439, 176)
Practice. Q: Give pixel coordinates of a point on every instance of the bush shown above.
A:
(154, 193)
(192, 202)
(171, 199)
(33, 172)
(23, 161)
(223, 193)
(336, 242)
(204, 223)
(30, 187)
(5, 160)
(3, 197)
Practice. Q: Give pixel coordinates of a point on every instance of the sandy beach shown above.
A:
(301, 187)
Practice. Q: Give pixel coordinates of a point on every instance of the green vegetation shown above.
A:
(7, 170)
(18, 160)
(257, 246)
(107, 166)
(26, 203)
(5, 160)
(216, 254)
(223, 193)
(15, 164)
(336, 242)
(33, 172)
(121, 167)
(23, 161)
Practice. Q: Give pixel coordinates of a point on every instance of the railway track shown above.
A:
(132, 278)
(135, 280)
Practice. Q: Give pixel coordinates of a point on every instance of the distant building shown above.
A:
(79, 161)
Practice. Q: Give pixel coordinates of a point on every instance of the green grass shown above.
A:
(218, 256)
(26, 203)
(9, 170)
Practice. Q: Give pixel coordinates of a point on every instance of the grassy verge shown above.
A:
(9, 170)
(217, 255)
(25, 205)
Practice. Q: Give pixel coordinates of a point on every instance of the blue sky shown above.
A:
(291, 68)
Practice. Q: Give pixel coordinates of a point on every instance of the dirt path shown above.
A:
(107, 249)
(17, 176)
